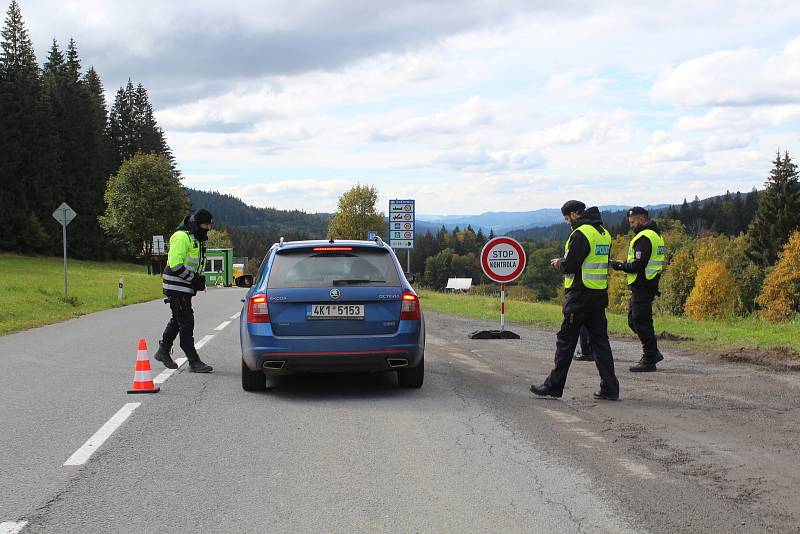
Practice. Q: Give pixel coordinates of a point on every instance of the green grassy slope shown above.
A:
(32, 289)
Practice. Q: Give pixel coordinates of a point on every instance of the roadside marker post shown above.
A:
(502, 260)
(120, 289)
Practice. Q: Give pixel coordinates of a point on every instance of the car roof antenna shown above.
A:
(280, 244)
(330, 240)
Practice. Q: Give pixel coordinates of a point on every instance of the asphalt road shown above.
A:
(700, 446)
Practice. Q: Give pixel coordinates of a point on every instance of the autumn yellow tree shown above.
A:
(714, 295)
(618, 292)
(677, 282)
(780, 295)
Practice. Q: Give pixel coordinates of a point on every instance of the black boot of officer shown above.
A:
(163, 354)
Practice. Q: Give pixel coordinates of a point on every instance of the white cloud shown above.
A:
(728, 142)
(745, 76)
(478, 160)
(673, 151)
(592, 127)
(576, 84)
(742, 118)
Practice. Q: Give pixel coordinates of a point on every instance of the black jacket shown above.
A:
(642, 251)
(579, 298)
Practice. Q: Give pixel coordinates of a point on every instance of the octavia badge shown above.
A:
(335, 293)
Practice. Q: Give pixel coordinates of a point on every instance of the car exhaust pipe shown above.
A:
(397, 362)
(275, 365)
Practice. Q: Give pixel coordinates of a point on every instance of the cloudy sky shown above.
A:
(466, 106)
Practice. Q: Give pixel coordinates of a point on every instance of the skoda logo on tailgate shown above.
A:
(335, 293)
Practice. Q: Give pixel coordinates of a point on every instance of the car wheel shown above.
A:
(413, 377)
(253, 380)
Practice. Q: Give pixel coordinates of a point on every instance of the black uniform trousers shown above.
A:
(181, 322)
(640, 320)
(586, 343)
(566, 340)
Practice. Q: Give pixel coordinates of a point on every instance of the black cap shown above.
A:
(572, 205)
(638, 210)
(203, 216)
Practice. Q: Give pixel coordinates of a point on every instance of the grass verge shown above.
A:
(728, 334)
(32, 289)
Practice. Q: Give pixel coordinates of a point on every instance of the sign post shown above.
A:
(402, 219)
(64, 215)
(503, 260)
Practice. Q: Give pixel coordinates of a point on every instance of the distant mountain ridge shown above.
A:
(231, 211)
(506, 221)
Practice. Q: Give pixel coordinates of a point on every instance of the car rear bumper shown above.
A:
(287, 355)
(372, 362)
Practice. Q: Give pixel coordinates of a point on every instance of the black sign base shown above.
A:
(493, 334)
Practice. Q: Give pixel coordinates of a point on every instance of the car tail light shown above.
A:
(410, 310)
(258, 309)
(333, 249)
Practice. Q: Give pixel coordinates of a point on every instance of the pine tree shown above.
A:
(133, 127)
(27, 143)
(778, 212)
(81, 170)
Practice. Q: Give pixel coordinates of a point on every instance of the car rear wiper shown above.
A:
(348, 281)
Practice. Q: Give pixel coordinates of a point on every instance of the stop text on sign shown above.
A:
(503, 259)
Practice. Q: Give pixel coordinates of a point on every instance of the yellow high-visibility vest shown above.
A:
(656, 263)
(594, 269)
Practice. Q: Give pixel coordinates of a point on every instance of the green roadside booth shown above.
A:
(219, 267)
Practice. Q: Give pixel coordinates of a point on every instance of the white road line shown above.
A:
(166, 373)
(202, 342)
(12, 527)
(222, 325)
(92, 444)
(562, 417)
(639, 470)
(587, 434)
(236, 315)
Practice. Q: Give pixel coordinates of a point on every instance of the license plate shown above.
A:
(336, 311)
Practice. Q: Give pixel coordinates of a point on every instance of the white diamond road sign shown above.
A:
(64, 214)
(401, 223)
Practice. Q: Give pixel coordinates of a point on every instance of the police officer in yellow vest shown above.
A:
(585, 268)
(644, 266)
(181, 281)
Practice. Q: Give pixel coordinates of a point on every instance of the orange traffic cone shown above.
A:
(142, 383)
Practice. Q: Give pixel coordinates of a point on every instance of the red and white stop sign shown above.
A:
(503, 259)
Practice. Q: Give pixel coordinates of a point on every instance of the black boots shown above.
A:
(162, 355)
(647, 364)
(544, 391)
(197, 366)
(602, 395)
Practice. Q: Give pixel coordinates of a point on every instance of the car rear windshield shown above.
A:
(320, 267)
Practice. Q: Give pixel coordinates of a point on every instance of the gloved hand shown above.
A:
(616, 265)
(199, 282)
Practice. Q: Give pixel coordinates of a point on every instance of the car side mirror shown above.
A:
(246, 280)
(411, 278)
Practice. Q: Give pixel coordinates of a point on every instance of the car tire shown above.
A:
(412, 377)
(253, 380)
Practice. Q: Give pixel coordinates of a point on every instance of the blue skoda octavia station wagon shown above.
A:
(331, 306)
